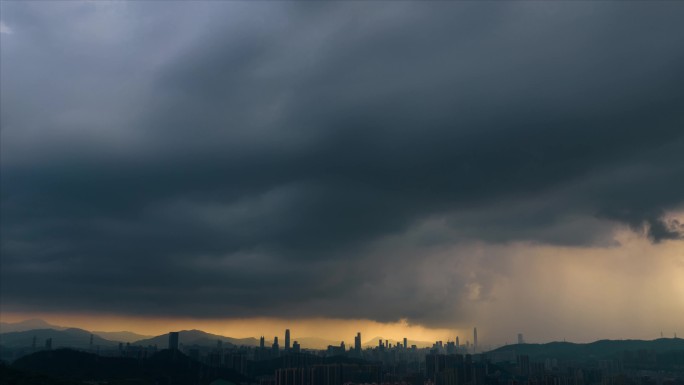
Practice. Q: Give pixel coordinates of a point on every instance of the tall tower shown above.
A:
(357, 343)
(262, 342)
(457, 343)
(405, 343)
(475, 340)
(275, 348)
(520, 339)
(287, 340)
(173, 341)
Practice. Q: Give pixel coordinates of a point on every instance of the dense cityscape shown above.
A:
(196, 358)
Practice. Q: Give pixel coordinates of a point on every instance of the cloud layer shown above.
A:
(315, 160)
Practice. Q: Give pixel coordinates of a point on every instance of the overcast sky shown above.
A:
(517, 166)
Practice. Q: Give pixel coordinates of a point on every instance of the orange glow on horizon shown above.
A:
(324, 328)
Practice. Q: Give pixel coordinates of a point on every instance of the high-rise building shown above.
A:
(474, 340)
(405, 343)
(48, 344)
(520, 339)
(262, 342)
(457, 343)
(173, 341)
(357, 343)
(296, 348)
(287, 340)
(275, 348)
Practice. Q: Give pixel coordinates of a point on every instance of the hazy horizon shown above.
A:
(315, 328)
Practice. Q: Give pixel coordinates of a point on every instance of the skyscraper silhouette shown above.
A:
(287, 340)
(173, 341)
(275, 348)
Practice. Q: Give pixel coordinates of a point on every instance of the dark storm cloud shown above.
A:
(225, 159)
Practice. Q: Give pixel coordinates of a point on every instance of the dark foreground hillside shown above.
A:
(65, 366)
(12, 376)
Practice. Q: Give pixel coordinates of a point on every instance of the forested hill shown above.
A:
(603, 349)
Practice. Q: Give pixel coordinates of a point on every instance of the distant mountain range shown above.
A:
(121, 336)
(35, 324)
(197, 337)
(74, 338)
(29, 324)
(21, 334)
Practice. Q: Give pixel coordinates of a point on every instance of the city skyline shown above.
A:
(195, 355)
(400, 169)
(397, 335)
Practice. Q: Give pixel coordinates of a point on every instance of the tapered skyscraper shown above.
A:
(287, 339)
(275, 348)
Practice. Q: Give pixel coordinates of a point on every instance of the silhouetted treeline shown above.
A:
(13, 376)
(164, 368)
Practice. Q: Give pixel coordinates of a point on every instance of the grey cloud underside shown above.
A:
(251, 167)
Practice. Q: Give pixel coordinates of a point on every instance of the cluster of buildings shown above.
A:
(402, 363)
(397, 363)
(265, 351)
(274, 350)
